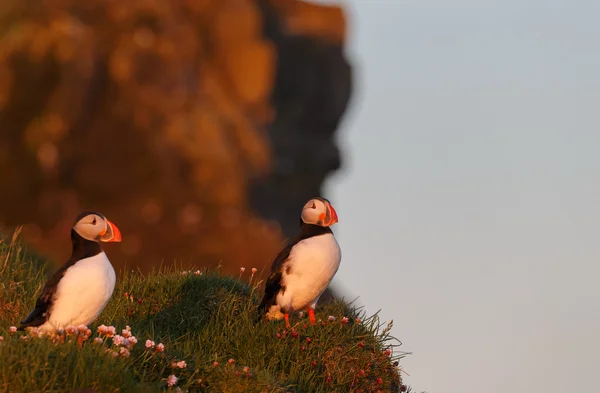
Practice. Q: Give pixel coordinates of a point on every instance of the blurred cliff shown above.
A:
(200, 127)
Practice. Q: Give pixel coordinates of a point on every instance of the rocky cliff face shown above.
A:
(199, 127)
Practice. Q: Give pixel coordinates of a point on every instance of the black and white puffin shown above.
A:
(304, 268)
(78, 291)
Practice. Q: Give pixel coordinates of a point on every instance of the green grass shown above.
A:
(200, 318)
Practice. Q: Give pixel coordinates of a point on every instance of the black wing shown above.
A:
(40, 313)
(273, 285)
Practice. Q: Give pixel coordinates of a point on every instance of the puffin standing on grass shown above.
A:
(304, 268)
(78, 292)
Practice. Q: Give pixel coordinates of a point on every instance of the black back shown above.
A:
(82, 248)
(273, 285)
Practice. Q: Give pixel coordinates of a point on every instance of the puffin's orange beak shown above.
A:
(333, 215)
(112, 233)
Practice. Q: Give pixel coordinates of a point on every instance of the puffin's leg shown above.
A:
(311, 316)
(287, 320)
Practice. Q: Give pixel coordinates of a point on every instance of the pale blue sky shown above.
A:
(470, 201)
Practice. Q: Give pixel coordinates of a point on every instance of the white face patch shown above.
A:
(314, 211)
(91, 227)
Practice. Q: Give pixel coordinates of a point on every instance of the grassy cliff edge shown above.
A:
(210, 342)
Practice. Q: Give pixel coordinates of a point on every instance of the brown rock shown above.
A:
(185, 122)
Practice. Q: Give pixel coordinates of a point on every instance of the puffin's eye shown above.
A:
(314, 206)
(94, 221)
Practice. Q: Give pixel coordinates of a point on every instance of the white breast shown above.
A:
(82, 293)
(310, 268)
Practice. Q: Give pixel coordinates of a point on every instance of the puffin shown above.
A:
(78, 292)
(305, 266)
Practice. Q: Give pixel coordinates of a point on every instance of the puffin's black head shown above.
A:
(95, 227)
(318, 211)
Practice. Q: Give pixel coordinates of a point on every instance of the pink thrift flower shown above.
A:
(231, 361)
(246, 369)
(344, 320)
(132, 340)
(1, 338)
(160, 347)
(124, 352)
(181, 364)
(254, 270)
(71, 330)
(357, 320)
(127, 327)
(12, 330)
(150, 344)
(172, 380)
(242, 269)
(118, 340)
(331, 318)
(111, 331)
(102, 329)
(198, 272)
(215, 364)
(82, 328)
(126, 333)
(301, 314)
(98, 340)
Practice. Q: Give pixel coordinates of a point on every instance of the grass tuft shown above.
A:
(206, 323)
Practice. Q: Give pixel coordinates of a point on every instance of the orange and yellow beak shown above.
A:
(111, 233)
(328, 218)
(333, 215)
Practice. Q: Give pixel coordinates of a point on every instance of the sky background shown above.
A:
(469, 203)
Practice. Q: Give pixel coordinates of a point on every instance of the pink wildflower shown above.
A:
(172, 380)
(198, 272)
(82, 328)
(110, 331)
(160, 347)
(301, 314)
(215, 364)
(242, 269)
(124, 352)
(388, 352)
(1, 338)
(102, 329)
(181, 364)
(231, 361)
(98, 340)
(331, 318)
(118, 340)
(126, 333)
(254, 270)
(246, 369)
(357, 320)
(12, 330)
(344, 320)
(132, 340)
(150, 344)
(71, 330)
